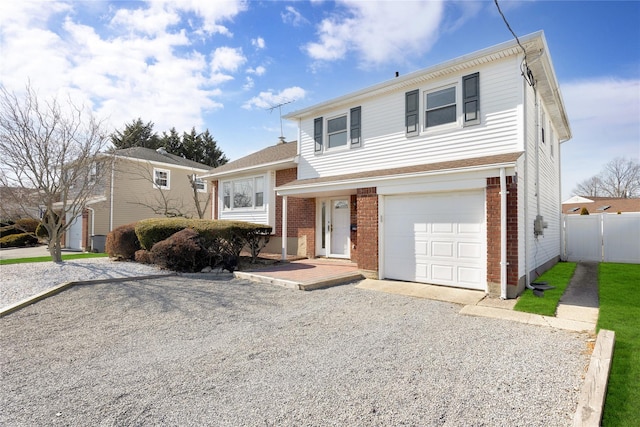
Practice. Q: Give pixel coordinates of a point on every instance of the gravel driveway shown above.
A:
(184, 351)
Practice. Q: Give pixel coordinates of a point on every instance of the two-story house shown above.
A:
(139, 183)
(449, 175)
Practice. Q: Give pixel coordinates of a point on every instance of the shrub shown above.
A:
(181, 252)
(584, 211)
(143, 257)
(9, 230)
(122, 242)
(27, 225)
(18, 240)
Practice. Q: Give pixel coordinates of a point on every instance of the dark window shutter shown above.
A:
(471, 98)
(355, 127)
(317, 133)
(411, 112)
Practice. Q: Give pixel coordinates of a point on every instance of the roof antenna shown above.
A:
(279, 107)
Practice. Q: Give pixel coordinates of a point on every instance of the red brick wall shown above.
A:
(493, 230)
(354, 234)
(367, 234)
(301, 213)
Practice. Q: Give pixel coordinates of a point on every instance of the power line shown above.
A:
(526, 72)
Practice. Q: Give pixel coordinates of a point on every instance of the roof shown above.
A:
(281, 155)
(159, 156)
(597, 205)
(538, 59)
(499, 160)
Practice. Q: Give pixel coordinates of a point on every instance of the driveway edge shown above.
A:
(64, 286)
(594, 387)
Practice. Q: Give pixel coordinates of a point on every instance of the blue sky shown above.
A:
(220, 65)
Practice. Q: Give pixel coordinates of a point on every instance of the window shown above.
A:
(344, 130)
(337, 131)
(441, 107)
(94, 171)
(199, 184)
(411, 112)
(161, 178)
(245, 193)
(471, 99)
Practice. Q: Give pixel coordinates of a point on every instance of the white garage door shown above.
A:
(74, 232)
(436, 238)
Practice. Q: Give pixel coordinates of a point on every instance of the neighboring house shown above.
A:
(598, 205)
(140, 183)
(244, 190)
(449, 175)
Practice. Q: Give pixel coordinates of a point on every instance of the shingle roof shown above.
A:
(148, 154)
(598, 205)
(422, 168)
(272, 154)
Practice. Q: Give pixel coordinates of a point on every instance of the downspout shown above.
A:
(537, 172)
(111, 196)
(93, 229)
(503, 233)
(284, 228)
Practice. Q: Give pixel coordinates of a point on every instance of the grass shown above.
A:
(559, 276)
(48, 258)
(620, 312)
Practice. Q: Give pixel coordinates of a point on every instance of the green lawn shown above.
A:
(48, 258)
(559, 276)
(620, 312)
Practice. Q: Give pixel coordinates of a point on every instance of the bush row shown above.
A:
(187, 244)
(18, 240)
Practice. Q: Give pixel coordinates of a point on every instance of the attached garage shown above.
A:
(436, 238)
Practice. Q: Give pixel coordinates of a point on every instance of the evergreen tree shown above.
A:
(136, 134)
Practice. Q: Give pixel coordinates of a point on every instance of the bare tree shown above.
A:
(201, 205)
(50, 151)
(619, 178)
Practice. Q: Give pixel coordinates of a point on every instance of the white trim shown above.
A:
(292, 162)
(157, 186)
(162, 164)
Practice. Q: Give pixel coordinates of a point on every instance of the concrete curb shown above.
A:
(64, 286)
(302, 286)
(594, 388)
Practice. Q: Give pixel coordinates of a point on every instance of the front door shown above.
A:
(334, 228)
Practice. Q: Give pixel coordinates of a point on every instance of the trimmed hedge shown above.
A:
(224, 236)
(18, 240)
(27, 225)
(9, 230)
(182, 251)
(122, 242)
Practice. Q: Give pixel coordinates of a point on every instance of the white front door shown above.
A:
(334, 228)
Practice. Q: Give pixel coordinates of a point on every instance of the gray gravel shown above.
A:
(20, 281)
(183, 351)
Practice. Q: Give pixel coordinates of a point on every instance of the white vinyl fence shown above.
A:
(602, 237)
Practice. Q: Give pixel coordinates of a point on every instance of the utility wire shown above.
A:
(526, 72)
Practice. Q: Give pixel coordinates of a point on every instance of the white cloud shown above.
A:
(377, 31)
(258, 43)
(258, 71)
(211, 13)
(604, 115)
(269, 99)
(135, 66)
(293, 17)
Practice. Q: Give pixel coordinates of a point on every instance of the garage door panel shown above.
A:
(436, 238)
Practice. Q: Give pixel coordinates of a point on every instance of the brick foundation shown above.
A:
(494, 233)
(301, 213)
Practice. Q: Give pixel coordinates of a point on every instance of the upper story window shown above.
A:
(441, 105)
(162, 178)
(246, 193)
(344, 130)
(199, 184)
(543, 123)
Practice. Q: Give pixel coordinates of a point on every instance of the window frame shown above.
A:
(156, 185)
(427, 110)
(322, 135)
(197, 181)
(227, 201)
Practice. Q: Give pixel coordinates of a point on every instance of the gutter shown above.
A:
(503, 233)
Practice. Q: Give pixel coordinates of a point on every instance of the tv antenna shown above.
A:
(279, 107)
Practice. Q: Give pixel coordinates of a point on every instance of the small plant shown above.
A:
(584, 211)
(122, 243)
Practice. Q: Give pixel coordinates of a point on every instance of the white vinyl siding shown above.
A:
(385, 135)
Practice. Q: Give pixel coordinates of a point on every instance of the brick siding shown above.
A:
(367, 233)
(301, 213)
(494, 227)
